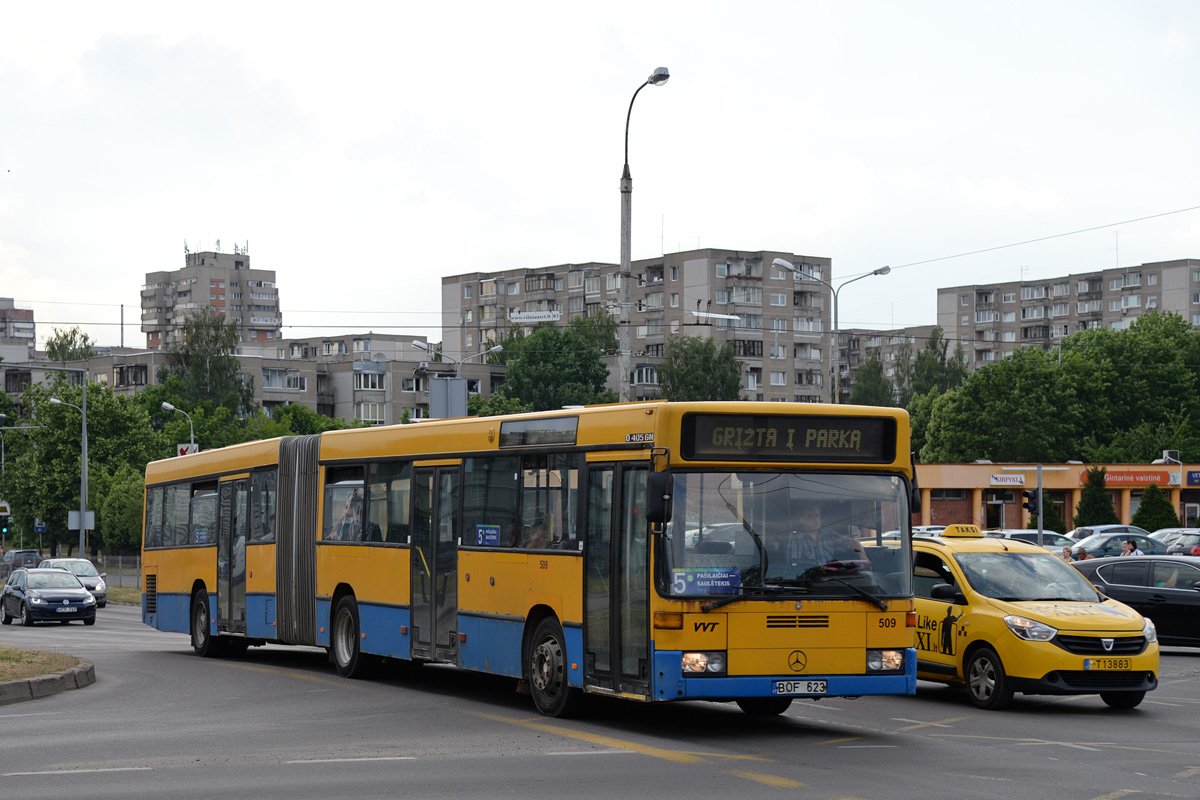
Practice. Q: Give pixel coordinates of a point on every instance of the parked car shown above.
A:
(1091, 530)
(1164, 588)
(1051, 540)
(86, 571)
(1101, 545)
(14, 559)
(998, 617)
(1181, 541)
(45, 595)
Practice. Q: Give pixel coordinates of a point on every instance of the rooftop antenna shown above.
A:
(185, 247)
(218, 246)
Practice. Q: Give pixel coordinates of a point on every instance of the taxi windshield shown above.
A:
(771, 533)
(1019, 577)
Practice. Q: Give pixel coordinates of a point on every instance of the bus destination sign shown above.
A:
(783, 437)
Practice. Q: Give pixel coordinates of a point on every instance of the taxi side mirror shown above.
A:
(944, 591)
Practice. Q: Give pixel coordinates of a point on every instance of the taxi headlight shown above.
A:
(1149, 631)
(1029, 630)
(709, 663)
(885, 660)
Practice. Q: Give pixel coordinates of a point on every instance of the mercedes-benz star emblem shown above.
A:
(797, 660)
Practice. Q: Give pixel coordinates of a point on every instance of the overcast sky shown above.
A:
(366, 150)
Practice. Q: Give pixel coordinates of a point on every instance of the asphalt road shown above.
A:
(162, 723)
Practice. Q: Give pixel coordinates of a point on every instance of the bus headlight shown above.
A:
(711, 663)
(885, 660)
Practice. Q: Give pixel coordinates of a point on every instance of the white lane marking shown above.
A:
(1060, 744)
(78, 771)
(346, 760)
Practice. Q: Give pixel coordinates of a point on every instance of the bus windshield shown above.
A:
(772, 533)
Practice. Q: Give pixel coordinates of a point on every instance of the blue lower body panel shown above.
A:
(495, 646)
(379, 626)
(669, 683)
(173, 614)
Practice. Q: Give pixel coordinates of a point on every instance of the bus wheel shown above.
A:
(987, 684)
(546, 666)
(764, 706)
(1122, 699)
(203, 641)
(344, 639)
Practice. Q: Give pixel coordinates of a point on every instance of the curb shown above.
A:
(81, 675)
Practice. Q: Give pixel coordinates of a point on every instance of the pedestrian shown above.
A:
(1066, 555)
(1082, 555)
(1129, 548)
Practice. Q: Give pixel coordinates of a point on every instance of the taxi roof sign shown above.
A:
(959, 531)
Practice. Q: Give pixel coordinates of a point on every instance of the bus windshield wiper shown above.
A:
(879, 601)
(764, 589)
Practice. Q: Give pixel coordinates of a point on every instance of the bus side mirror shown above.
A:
(658, 498)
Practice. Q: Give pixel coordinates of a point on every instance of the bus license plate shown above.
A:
(65, 609)
(799, 687)
(1107, 663)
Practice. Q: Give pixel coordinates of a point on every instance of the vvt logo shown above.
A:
(706, 626)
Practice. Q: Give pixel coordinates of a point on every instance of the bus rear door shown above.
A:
(232, 529)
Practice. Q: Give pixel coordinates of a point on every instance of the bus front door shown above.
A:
(616, 558)
(434, 570)
(232, 527)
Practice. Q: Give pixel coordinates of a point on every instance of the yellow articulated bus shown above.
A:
(652, 551)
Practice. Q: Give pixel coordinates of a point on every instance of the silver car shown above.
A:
(83, 569)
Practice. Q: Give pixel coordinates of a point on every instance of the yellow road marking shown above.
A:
(931, 724)
(1190, 772)
(286, 673)
(840, 741)
(767, 780)
(1115, 795)
(606, 741)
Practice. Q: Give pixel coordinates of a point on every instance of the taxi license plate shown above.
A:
(65, 609)
(799, 687)
(1107, 663)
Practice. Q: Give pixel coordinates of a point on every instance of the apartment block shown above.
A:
(18, 331)
(777, 320)
(222, 282)
(991, 320)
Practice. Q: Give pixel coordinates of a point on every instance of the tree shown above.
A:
(71, 344)
(1155, 511)
(1018, 409)
(494, 406)
(871, 387)
(932, 369)
(44, 481)
(696, 368)
(553, 368)
(205, 362)
(119, 520)
(1095, 506)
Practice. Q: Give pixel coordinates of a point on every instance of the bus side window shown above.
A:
(389, 493)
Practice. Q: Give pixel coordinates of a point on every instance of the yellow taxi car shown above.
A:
(1000, 616)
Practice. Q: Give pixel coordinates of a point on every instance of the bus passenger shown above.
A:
(349, 527)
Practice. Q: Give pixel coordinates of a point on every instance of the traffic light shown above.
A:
(1030, 501)
(3, 524)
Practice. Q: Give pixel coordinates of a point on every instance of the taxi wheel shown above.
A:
(986, 682)
(1122, 699)
(764, 706)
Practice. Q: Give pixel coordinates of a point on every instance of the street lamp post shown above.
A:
(457, 367)
(191, 430)
(834, 355)
(657, 78)
(83, 468)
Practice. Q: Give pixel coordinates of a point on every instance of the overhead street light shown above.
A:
(191, 430)
(657, 78)
(442, 404)
(834, 355)
(83, 467)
